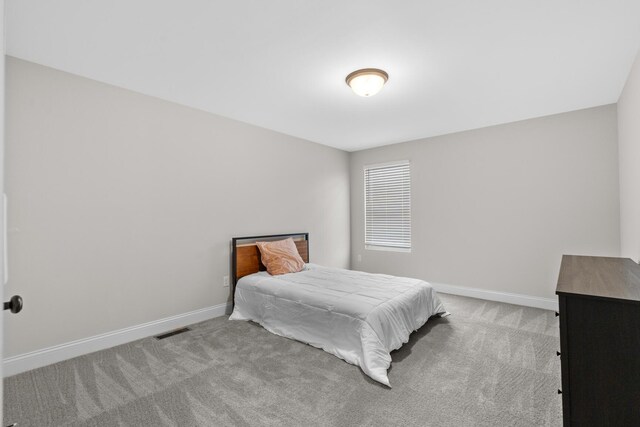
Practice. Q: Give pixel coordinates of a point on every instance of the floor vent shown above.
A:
(172, 333)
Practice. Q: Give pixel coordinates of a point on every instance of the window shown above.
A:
(387, 206)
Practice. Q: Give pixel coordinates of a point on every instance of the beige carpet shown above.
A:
(488, 364)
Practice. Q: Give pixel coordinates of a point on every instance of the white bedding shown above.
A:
(359, 317)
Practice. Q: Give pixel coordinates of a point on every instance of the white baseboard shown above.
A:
(36, 359)
(46, 356)
(517, 299)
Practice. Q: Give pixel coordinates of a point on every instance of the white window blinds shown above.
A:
(387, 194)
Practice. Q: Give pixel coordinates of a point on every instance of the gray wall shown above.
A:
(495, 208)
(121, 206)
(629, 146)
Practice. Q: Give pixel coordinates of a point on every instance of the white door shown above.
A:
(2, 210)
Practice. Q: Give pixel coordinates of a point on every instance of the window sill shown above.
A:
(386, 248)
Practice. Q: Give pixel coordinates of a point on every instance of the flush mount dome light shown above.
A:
(368, 81)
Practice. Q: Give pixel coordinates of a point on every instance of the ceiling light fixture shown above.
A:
(368, 81)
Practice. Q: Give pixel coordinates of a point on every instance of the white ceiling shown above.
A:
(280, 64)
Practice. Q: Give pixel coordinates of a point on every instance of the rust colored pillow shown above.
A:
(281, 256)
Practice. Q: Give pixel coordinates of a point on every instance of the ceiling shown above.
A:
(280, 64)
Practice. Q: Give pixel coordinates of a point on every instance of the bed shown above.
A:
(356, 316)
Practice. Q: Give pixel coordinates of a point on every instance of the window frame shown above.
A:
(368, 246)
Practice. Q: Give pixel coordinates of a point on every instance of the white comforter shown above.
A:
(359, 317)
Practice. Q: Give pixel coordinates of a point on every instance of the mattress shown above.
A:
(356, 316)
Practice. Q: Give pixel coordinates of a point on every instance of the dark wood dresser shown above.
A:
(600, 341)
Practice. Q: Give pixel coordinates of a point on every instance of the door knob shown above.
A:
(14, 304)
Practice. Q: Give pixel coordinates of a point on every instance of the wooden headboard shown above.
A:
(245, 256)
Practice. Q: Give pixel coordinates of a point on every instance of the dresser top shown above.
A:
(615, 278)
